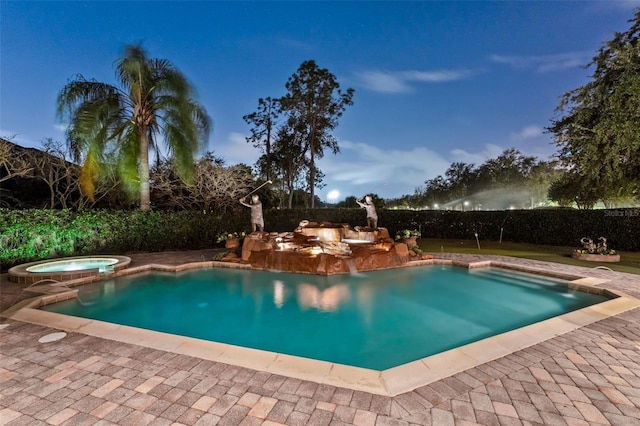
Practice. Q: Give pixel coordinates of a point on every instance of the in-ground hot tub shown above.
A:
(69, 268)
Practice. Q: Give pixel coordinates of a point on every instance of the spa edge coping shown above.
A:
(389, 382)
(20, 274)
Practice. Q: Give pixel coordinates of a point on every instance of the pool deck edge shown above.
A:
(390, 382)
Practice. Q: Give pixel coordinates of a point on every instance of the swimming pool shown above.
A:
(376, 320)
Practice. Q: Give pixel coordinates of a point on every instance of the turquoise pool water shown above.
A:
(375, 320)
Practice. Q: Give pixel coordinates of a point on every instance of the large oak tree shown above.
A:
(598, 127)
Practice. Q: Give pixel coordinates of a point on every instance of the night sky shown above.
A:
(435, 82)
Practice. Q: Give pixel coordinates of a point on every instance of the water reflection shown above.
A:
(278, 293)
(311, 296)
(329, 299)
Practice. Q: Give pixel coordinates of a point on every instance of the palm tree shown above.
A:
(154, 100)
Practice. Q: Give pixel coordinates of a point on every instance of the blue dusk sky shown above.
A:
(435, 82)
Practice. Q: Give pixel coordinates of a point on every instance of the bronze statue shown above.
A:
(602, 246)
(588, 245)
(257, 220)
(372, 216)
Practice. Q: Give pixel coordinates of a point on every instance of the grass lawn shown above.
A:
(629, 261)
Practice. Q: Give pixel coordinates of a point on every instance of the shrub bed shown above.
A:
(30, 235)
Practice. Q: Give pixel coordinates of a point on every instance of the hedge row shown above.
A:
(29, 235)
(560, 227)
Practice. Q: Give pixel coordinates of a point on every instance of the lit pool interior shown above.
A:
(375, 320)
(75, 264)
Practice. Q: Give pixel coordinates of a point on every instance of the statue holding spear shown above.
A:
(372, 216)
(257, 219)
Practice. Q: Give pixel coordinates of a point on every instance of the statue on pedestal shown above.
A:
(372, 216)
(257, 220)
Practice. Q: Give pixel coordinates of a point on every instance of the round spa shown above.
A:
(68, 268)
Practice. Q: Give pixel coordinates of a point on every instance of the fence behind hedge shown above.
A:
(28, 235)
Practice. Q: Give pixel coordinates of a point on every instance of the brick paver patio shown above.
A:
(590, 376)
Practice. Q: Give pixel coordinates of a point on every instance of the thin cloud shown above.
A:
(624, 4)
(8, 135)
(404, 81)
(30, 141)
(383, 82)
(544, 63)
(534, 141)
(358, 169)
(236, 150)
(540, 151)
(631, 4)
(477, 158)
(528, 132)
(436, 76)
(18, 139)
(296, 44)
(361, 168)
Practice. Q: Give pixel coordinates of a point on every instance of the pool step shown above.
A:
(512, 278)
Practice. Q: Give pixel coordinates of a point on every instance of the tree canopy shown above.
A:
(310, 111)
(264, 122)
(598, 125)
(313, 104)
(510, 179)
(216, 187)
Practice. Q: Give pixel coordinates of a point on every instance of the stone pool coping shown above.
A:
(390, 382)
